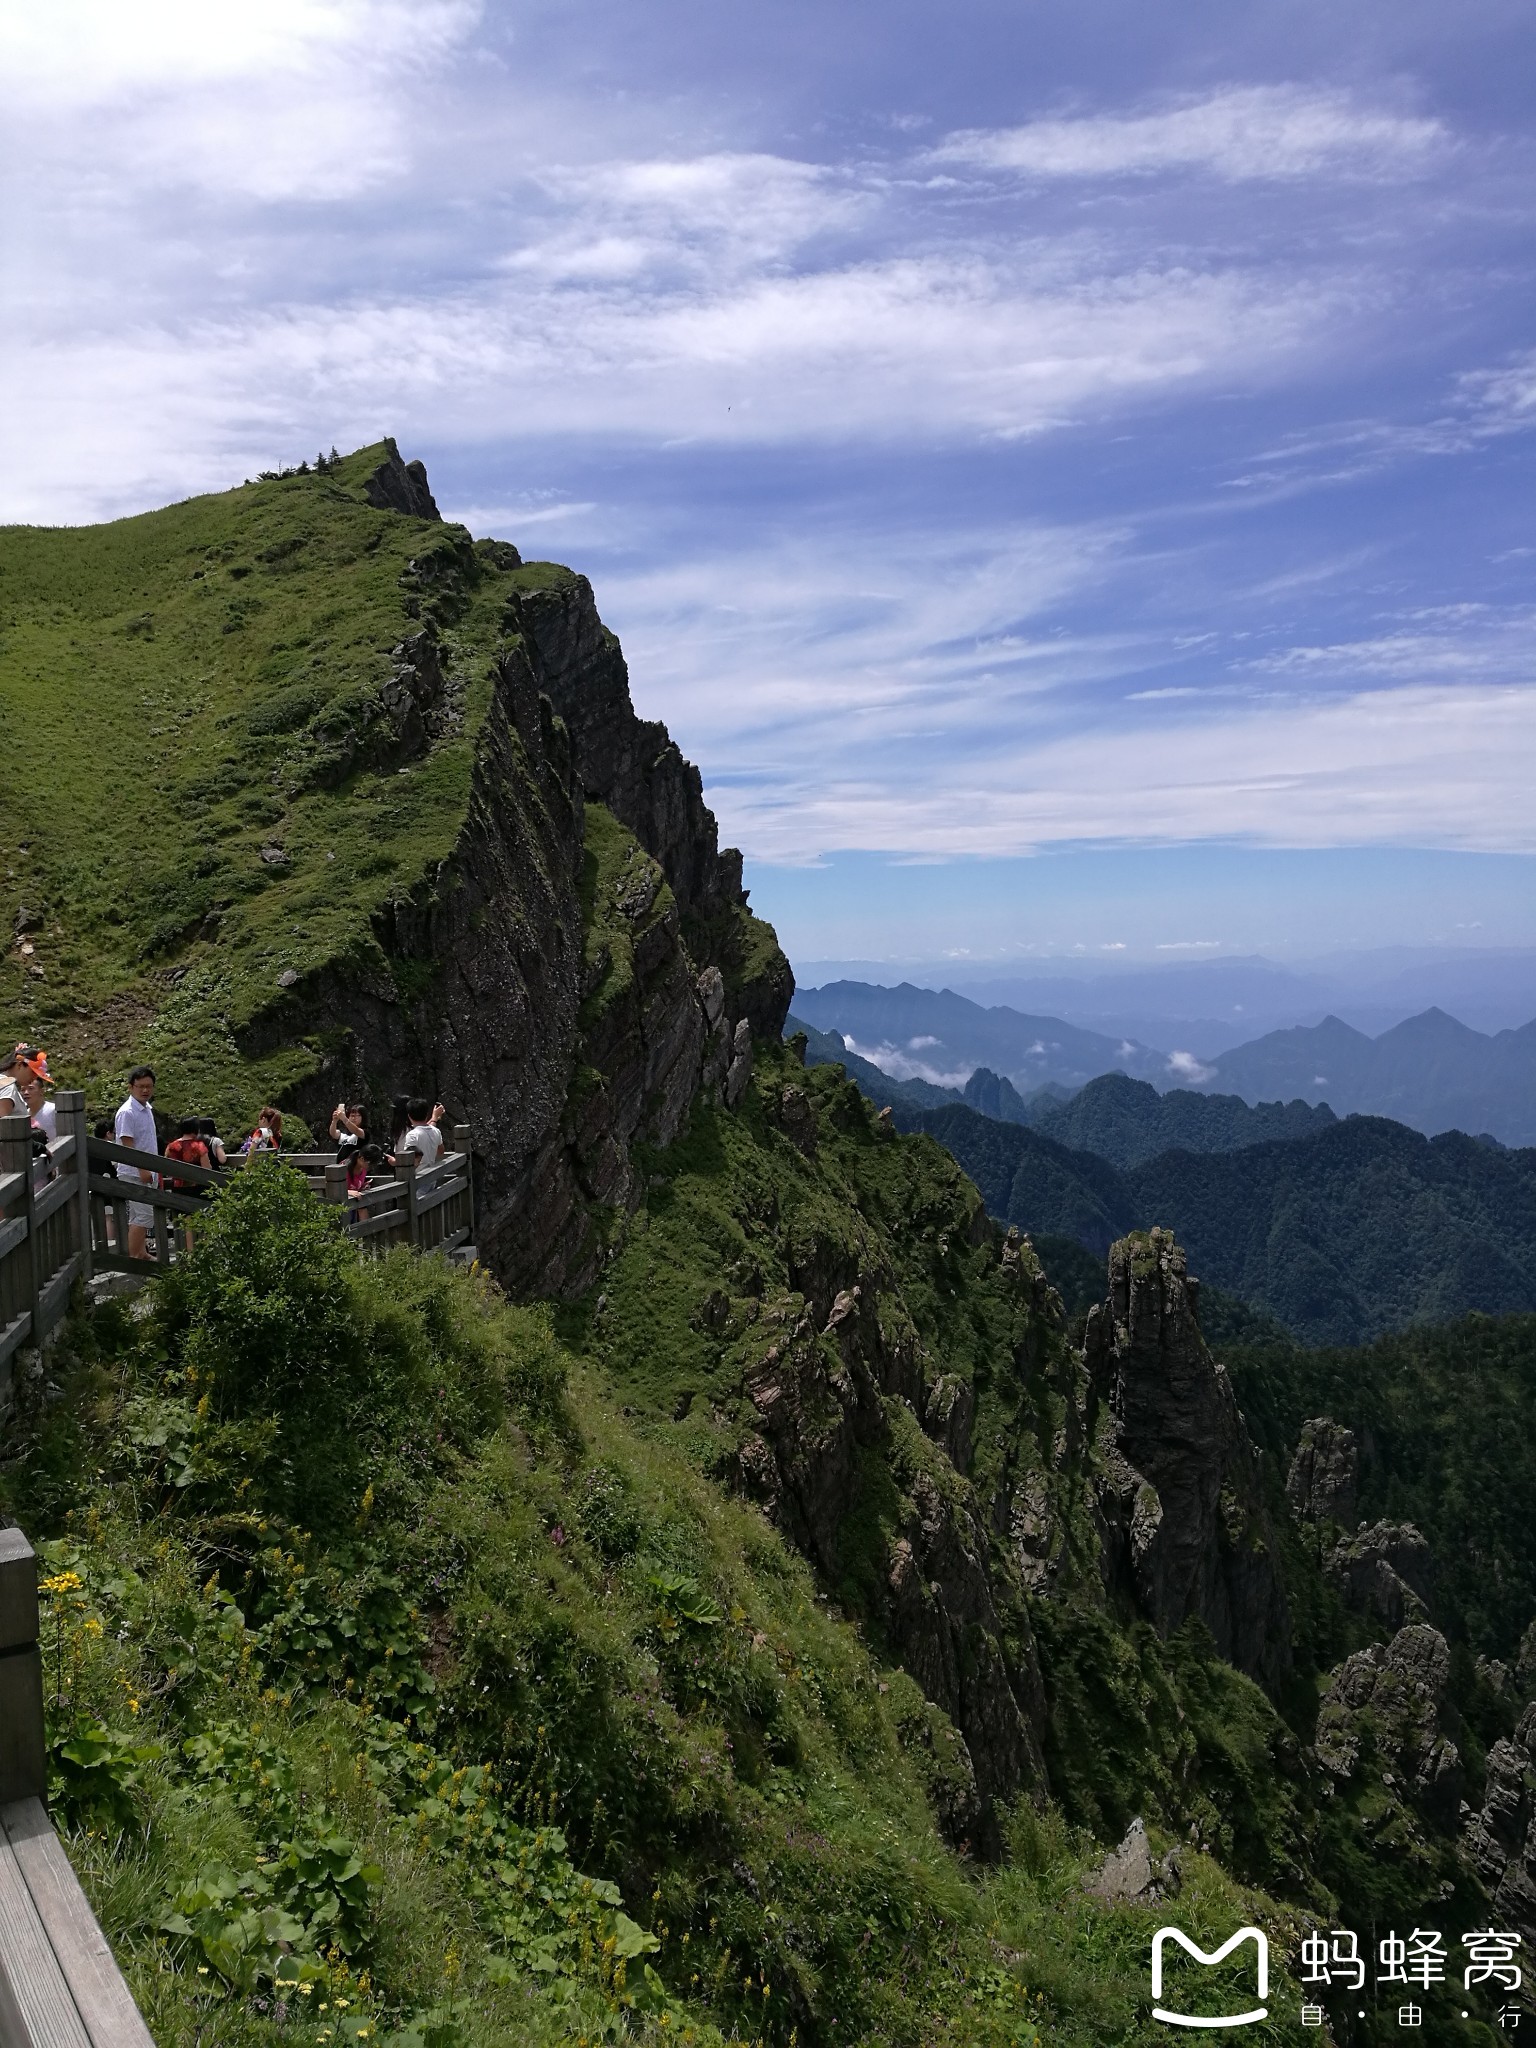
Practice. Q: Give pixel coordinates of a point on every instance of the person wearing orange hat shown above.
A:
(34, 1081)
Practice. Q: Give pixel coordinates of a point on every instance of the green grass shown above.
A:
(514, 1639)
(197, 681)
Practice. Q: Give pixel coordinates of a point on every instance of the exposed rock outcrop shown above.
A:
(493, 943)
(629, 763)
(1185, 1518)
(1132, 1875)
(1501, 1837)
(1323, 1485)
(1387, 1711)
(399, 486)
(846, 1383)
(480, 991)
(1385, 1572)
(633, 766)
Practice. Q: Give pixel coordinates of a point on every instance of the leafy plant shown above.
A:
(93, 1773)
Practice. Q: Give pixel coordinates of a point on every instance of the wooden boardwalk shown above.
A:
(68, 1221)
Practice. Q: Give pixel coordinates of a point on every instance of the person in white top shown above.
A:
(135, 1127)
(423, 1136)
(12, 1101)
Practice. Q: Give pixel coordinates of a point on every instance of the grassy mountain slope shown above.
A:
(754, 1646)
(228, 696)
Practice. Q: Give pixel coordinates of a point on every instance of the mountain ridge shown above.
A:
(1429, 1071)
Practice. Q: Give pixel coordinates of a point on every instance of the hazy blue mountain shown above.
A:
(995, 1095)
(1127, 1121)
(1206, 1007)
(943, 1037)
(1429, 1071)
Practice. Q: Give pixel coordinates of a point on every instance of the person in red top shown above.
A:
(190, 1145)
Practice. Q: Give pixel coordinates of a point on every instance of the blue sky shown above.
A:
(1064, 474)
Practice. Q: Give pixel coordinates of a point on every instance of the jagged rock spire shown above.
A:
(1189, 1529)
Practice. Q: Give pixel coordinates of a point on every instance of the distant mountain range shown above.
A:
(1360, 1227)
(1207, 1006)
(1114, 1117)
(1430, 1072)
(937, 1036)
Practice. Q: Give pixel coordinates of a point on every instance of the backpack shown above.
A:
(195, 1152)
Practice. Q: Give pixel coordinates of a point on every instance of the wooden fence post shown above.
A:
(70, 1104)
(405, 1170)
(16, 1157)
(23, 1753)
(336, 1184)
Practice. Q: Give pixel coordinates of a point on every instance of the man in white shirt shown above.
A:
(423, 1136)
(135, 1127)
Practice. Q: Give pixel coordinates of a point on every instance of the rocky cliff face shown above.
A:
(576, 987)
(1501, 1836)
(848, 1390)
(1185, 1517)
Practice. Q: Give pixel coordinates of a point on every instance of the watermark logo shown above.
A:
(1227, 2019)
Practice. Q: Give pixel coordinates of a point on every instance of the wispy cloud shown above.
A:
(1424, 766)
(924, 349)
(1242, 133)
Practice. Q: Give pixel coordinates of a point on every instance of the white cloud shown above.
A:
(1185, 1067)
(1242, 133)
(917, 350)
(1502, 401)
(1466, 640)
(1423, 766)
(286, 99)
(87, 54)
(901, 1066)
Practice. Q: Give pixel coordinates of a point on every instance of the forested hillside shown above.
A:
(1365, 1226)
(1127, 1122)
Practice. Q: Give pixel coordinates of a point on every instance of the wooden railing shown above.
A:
(68, 1220)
